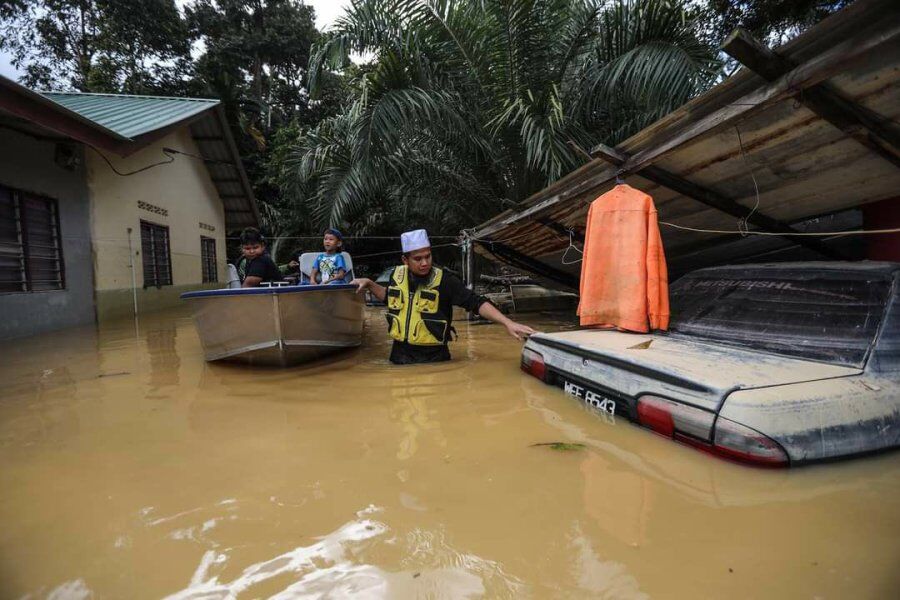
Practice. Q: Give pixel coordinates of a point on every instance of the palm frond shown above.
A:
(471, 104)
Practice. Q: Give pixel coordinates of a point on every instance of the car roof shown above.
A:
(874, 267)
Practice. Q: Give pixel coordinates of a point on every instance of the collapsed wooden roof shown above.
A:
(815, 124)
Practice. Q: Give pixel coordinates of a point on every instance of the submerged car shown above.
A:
(772, 365)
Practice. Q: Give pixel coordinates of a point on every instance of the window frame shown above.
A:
(155, 266)
(20, 219)
(209, 267)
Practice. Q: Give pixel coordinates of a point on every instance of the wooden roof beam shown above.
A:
(881, 30)
(856, 121)
(814, 71)
(561, 229)
(714, 200)
(532, 265)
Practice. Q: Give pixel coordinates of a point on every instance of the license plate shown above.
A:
(590, 397)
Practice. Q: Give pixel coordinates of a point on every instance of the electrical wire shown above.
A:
(359, 256)
(503, 241)
(744, 222)
(350, 237)
(777, 234)
(166, 151)
(198, 157)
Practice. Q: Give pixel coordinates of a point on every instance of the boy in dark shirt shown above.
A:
(255, 266)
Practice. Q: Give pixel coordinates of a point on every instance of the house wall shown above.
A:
(28, 164)
(178, 195)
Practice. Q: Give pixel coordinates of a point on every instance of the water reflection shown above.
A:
(602, 578)
(131, 468)
(163, 353)
(411, 392)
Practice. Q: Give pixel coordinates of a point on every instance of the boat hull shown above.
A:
(277, 326)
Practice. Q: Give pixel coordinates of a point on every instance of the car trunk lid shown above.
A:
(696, 372)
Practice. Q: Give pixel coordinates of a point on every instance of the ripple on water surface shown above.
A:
(130, 468)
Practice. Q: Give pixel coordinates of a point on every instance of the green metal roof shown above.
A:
(130, 116)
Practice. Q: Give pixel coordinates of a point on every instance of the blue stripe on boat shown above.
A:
(288, 289)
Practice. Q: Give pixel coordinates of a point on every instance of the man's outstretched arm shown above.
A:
(363, 284)
(517, 330)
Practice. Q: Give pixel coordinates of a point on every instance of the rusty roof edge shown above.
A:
(550, 191)
(739, 84)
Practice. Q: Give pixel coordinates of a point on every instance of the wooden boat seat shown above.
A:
(307, 259)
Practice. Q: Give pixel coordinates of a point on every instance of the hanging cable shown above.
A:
(743, 223)
(198, 157)
(350, 237)
(357, 257)
(793, 234)
(165, 151)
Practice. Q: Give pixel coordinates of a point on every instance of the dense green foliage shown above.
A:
(772, 20)
(470, 107)
(449, 112)
(254, 58)
(97, 45)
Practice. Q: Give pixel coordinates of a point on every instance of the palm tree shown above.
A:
(470, 106)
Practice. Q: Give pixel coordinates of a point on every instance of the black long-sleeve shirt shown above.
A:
(453, 292)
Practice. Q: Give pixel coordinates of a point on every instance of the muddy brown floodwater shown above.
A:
(130, 468)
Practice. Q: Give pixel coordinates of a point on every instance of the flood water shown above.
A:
(130, 468)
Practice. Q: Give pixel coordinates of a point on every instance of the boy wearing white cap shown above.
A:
(420, 300)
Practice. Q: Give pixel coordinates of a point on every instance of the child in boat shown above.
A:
(330, 264)
(255, 266)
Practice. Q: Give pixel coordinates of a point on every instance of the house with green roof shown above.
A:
(111, 205)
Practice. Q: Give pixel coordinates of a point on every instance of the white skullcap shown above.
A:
(414, 240)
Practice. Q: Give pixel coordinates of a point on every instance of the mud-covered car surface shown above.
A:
(776, 365)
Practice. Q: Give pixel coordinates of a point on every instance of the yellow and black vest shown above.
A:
(419, 320)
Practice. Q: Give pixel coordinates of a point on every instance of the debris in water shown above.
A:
(561, 446)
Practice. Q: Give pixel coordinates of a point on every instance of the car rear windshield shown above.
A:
(830, 316)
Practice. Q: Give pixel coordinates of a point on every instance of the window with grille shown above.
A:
(30, 245)
(155, 251)
(208, 259)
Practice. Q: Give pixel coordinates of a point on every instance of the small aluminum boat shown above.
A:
(279, 326)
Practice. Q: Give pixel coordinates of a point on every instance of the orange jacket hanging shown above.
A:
(624, 282)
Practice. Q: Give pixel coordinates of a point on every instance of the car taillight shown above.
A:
(739, 442)
(674, 419)
(533, 364)
(694, 426)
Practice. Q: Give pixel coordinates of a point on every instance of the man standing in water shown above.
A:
(420, 300)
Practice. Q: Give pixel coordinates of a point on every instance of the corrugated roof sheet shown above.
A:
(131, 116)
(121, 125)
